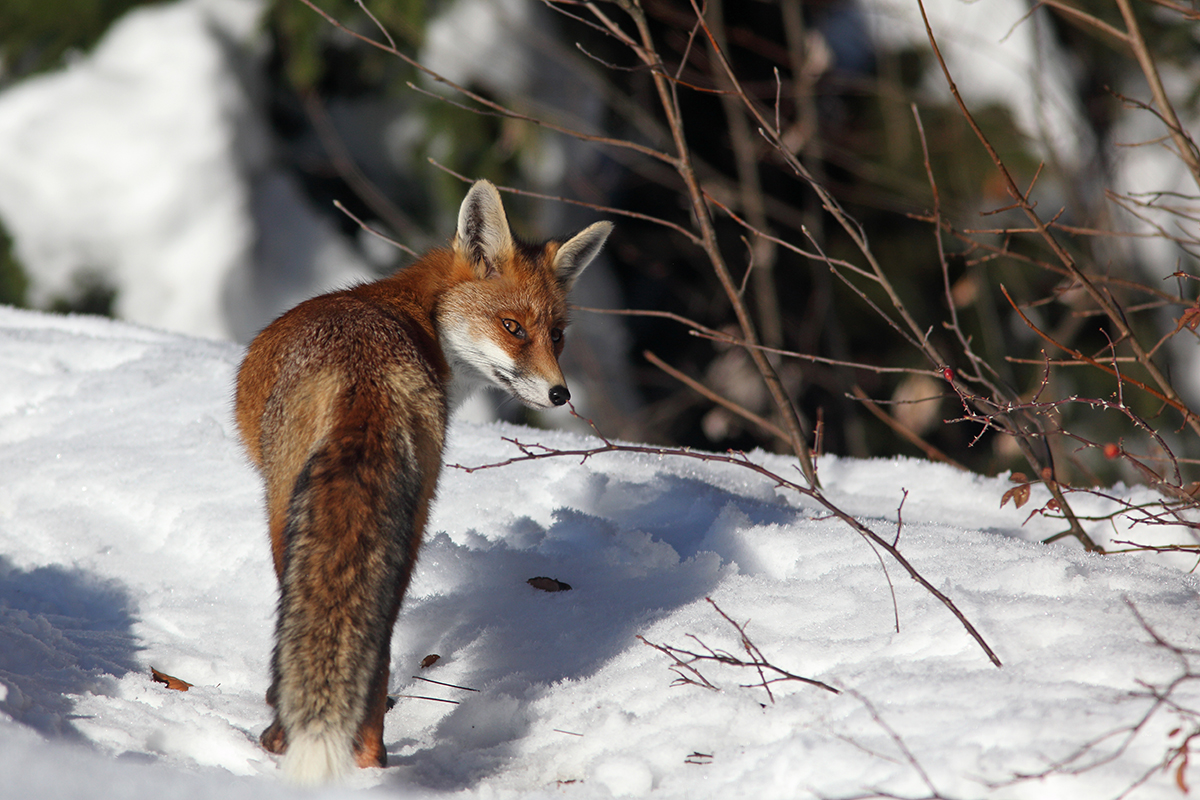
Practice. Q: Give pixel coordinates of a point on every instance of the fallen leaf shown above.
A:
(549, 584)
(169, 681)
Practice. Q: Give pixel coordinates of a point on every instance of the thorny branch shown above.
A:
(1102, 300)
(906, 325)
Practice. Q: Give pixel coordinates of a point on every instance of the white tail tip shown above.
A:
(315, 758)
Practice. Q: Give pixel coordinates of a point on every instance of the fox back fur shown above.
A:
(342, 404)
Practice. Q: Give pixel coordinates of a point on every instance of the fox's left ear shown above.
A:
(578, 251)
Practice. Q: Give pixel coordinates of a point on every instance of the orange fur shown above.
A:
(342, 404)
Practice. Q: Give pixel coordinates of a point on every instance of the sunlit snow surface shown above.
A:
(132, 535)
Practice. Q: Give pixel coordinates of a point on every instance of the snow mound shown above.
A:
(144, 165)
(132, 536)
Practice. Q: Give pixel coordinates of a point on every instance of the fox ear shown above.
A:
(483, 237)
(578, 251)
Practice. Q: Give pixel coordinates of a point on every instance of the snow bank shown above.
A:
(997, 54)
(145, 164)
(131, 536)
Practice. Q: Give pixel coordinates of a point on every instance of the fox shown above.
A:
(342, 405)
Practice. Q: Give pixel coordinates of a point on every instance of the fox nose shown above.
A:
(559, 395)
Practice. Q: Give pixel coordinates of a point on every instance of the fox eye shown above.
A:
(513, 327)
(556, 335)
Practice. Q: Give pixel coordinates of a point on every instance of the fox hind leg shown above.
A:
(272, 739)
(369, 750)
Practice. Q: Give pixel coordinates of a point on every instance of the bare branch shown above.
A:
(685, 661)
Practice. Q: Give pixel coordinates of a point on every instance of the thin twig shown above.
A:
(685, 661)
(378, 234)
(725, 403)
(931, 452)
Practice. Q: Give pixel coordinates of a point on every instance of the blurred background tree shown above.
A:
(346, 120)
(39, 34)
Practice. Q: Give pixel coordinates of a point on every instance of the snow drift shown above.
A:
(132, 536)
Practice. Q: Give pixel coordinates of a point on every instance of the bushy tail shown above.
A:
(351, 538)
(317, 757)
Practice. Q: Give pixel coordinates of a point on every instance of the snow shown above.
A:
(472, 41)
(997, 52)
(145, 163)
(132, 533)
(132, 536)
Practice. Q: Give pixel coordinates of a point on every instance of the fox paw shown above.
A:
(272, 739)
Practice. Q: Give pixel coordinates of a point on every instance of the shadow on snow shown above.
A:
(511, 641)
(62, 632)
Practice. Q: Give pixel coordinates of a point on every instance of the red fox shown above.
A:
(342, 404)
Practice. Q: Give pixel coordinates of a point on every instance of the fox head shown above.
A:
(502, 322)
